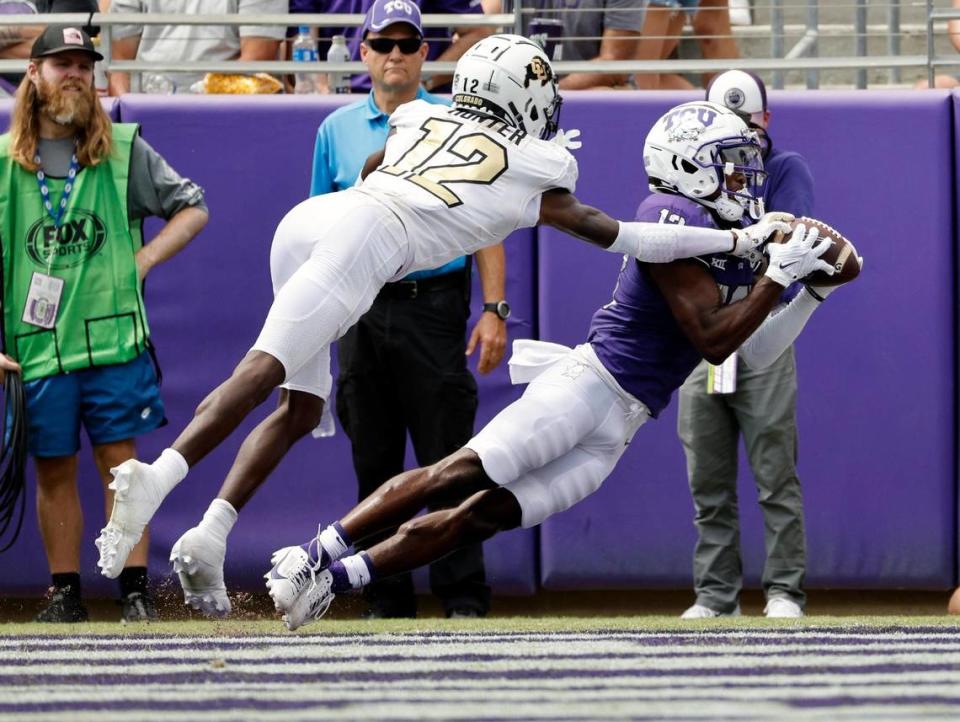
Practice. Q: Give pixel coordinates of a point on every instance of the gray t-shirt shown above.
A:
(587, 19)
(154, 188)
(194, 42)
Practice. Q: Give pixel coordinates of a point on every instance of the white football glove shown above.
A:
(749, 241)
(798, 257)
(568, 139)
(821, 292)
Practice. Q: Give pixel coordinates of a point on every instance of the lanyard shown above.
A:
(57, 215)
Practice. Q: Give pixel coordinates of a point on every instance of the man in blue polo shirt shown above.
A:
(402, 367)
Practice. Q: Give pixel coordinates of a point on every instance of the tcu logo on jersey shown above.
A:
(400, 6)
(537, 70)
(701, 116)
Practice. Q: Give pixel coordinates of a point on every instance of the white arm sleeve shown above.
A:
(778, 331)
(662, 243)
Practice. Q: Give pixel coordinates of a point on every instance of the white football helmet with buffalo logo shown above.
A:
(704, 151)
(510, 77)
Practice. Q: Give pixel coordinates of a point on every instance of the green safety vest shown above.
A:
(101, 318)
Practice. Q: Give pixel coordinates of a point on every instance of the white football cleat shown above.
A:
(197, 559)
(137, 496)
(782, 608)
(698, 611)
(293, 570)
(312, 603)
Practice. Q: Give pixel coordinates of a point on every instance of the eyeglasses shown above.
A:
(408, 46)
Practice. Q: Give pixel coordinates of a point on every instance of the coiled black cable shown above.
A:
(13, 458)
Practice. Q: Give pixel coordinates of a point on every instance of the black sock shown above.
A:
(133, 579)
(67, 582)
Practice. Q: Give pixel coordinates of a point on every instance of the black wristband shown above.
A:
(817, 296)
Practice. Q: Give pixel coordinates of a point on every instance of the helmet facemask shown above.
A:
(739, 168)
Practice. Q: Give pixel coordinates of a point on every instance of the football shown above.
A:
(841, 255)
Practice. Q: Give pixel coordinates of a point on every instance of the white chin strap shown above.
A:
(732, 209)
(727, 208)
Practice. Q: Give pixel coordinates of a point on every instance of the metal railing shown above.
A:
(802, 56)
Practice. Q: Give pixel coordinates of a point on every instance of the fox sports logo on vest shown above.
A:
(80, 236)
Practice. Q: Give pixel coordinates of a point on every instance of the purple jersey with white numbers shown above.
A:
(636, 336)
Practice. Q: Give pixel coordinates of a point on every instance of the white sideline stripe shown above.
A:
(553, 663)
(372, 652)
(309, 693)
(356, 687)
(398, 637)
(511, 711)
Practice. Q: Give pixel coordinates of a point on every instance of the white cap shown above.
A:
(742, 92)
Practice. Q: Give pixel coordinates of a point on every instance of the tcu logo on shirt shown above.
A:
(398, 6)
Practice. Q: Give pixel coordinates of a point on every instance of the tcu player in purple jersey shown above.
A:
(558, 442)
(450, 180)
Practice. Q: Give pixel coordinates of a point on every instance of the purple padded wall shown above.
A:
(876, 364)
(876, 425)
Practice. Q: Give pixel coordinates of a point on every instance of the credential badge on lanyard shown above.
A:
(45, 292)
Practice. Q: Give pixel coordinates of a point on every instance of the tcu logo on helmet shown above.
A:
(537, 70)
(689, 129)
(703, 116)
(398, 6)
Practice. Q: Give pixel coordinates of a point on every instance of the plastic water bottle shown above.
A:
(304, 51)
(100, 80)
(338, 53)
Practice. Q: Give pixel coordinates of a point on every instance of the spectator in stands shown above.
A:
(663, 27)
(946, 81)
(719, 403)
(70, 271)
(443, 45)
(593, 30)
(191, 42)
(402, 366)
(16, 40)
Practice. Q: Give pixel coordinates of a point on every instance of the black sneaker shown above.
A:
(378, 612)
(465, 613)
(138, 607)
(63, 607)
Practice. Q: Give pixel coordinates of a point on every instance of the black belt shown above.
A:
(412, 289)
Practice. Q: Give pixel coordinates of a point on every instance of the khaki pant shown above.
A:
(763, 409)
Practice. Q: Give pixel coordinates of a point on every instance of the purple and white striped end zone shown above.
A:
(795, 674)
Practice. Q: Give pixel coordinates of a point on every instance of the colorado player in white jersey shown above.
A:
(449, 181)
(558, 442)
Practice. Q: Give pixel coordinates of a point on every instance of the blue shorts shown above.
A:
(688, 5)
(112, 402)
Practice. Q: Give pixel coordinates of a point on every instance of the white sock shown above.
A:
(171, 468)
(357, 570)
(333, 542)
(219, 518)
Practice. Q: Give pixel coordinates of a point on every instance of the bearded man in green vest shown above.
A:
(74, 189)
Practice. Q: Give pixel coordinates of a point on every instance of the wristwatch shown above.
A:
(501, 308)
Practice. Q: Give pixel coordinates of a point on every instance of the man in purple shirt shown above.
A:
(444, 44)
(562, 438)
